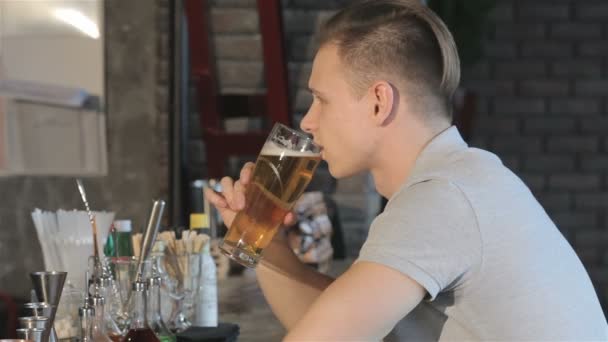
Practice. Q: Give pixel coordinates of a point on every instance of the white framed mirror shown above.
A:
(52, 88)
(53, 42)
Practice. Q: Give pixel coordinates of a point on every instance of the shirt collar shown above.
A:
(436, 151)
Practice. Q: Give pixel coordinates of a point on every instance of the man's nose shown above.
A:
(306, 124)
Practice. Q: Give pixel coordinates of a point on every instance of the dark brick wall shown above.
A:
(162, 30)
(542, 86)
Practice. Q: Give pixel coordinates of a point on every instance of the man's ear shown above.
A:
(383, 97)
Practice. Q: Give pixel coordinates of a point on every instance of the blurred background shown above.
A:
(534, 91)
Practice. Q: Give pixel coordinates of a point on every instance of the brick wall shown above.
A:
(163, 31)
(542, 83)
(543, 86)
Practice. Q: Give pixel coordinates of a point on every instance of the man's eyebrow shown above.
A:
(315, 92)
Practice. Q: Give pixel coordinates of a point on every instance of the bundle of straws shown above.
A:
(178, 254)
(66, 240)
(190, 243)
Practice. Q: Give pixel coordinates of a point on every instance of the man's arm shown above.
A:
(290, 286)
(363, 304)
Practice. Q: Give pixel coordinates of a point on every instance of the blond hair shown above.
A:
(401, 38)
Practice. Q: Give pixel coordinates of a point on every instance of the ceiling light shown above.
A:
(78, 20)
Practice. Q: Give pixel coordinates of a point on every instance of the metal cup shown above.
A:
(42, 309)
(48, 287)
(39, 309)
(40, 322)
(32, 334)
(34, 322)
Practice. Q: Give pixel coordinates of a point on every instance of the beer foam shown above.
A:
(272, 149)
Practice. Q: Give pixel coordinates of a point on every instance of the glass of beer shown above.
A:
(282, 171)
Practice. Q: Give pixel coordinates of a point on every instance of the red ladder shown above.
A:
(274, 105)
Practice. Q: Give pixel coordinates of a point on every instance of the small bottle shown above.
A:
(155, 320)
(139, 330)
(119, 243)
(106, 293)
(206, 306)
(86, 313)
(199, 212)
(199, 223)
(98, 330)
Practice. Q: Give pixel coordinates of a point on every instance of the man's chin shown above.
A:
(332, 170)
(341, 173)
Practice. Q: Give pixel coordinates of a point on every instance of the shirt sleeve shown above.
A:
(429, 232)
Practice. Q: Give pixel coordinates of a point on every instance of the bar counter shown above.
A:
(241, 302)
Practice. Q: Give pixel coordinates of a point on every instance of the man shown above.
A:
(462, 251)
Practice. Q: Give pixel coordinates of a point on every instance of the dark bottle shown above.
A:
(119, 243)
(141, 335)
(139, 330)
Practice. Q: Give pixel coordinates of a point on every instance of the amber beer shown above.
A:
(279, 178)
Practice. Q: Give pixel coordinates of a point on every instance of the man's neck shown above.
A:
(398, 155)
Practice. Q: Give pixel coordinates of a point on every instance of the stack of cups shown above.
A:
(32, 334)
(40, 313)
(38, 325)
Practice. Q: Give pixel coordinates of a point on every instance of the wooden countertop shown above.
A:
(241, 301)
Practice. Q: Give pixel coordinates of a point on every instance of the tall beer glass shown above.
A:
(282, 171)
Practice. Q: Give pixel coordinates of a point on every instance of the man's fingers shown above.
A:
(239, 195)
(246, 173)
(216, 199)
(222, 206)
(290, 219)
(228, 190)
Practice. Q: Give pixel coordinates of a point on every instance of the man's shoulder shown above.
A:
(429, 232)
(467, 170)
(426, 190)
(429, 200)
(469, 161)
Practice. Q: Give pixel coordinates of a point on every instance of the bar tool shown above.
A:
(44, 311)
(48, 287)
(39, 309)
(31, 322)
(150, 235)
(86, 313)
(31, 334)
(97, 262)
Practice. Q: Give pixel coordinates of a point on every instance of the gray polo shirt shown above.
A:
(493, 263)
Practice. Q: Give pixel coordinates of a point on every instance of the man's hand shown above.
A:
(288, 285)
(232, 198)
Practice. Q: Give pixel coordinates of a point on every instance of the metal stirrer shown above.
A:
(148, 240)
(150, 235)
(83, 195)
